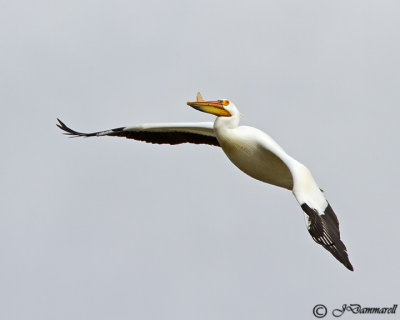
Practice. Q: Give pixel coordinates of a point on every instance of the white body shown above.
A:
(258, 155)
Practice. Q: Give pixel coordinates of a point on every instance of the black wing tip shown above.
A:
(67, 131)
(349, 266)
(339, 252)
(72, 133)
(324, 230)
(343, 257)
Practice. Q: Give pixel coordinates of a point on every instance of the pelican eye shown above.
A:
(225, 102)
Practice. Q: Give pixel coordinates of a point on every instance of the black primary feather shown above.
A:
(324, 229)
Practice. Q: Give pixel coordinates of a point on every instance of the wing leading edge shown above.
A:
(158, 133)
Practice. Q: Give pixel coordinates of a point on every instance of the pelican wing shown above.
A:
(160, 133)
(321, 220)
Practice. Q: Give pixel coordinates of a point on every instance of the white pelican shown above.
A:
(252, 151)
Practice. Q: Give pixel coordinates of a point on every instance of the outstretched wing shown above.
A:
(160, 133)
(321, 220)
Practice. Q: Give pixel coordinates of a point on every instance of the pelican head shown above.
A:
(220, 108)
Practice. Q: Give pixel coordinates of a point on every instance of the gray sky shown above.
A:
(117, 229)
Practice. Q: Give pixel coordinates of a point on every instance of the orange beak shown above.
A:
(213, 107)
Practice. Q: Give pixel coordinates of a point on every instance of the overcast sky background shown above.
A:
(117, 229)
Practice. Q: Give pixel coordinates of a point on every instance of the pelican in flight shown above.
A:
(253, 152)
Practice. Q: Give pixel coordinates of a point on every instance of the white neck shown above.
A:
(226, 122)
(231, 122)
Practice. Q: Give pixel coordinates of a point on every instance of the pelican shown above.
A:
(253, 152)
